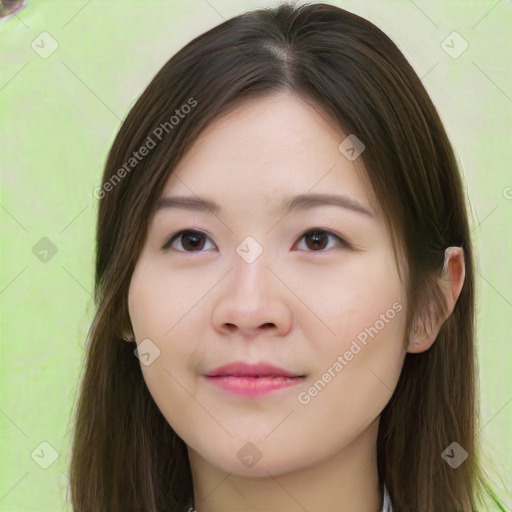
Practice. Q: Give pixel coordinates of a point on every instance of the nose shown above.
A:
(252, 301)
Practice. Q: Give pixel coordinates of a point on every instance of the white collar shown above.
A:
(386, 502)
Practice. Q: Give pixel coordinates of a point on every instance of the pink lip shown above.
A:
(253, 386)
(241, 369)
(252, 379)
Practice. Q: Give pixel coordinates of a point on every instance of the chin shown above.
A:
(255, 459)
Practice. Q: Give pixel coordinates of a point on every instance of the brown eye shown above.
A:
(191, 241)
(316, 240)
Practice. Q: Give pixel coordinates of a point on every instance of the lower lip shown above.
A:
(253, 386)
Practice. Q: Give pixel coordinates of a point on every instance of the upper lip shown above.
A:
(241, 369)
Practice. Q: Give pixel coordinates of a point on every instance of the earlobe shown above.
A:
(422, 337)
(450, 283)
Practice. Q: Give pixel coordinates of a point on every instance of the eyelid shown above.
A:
(175, 236)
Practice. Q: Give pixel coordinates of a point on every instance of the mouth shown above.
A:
(252, 379)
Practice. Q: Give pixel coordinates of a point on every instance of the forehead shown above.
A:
(268, 149)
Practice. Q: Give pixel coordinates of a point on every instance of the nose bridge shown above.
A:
(251, 275)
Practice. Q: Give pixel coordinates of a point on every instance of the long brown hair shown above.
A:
(125, 456)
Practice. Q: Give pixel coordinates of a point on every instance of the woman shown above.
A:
(283, 243)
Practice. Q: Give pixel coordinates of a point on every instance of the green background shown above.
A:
(59, 115)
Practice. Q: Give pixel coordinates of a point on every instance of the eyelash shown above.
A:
(176, 236)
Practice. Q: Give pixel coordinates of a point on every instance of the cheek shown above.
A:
(159, 300)
(356, 374)
(361, 355)
(161, 307)
(155, 311)
(341, 302)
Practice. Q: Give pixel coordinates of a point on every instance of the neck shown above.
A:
(346, 481)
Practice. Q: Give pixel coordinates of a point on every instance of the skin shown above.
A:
(298, 306)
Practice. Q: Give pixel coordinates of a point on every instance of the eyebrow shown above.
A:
(296, 203)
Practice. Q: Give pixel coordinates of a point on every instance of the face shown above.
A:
(313, 291)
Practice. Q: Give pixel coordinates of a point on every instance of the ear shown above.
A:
(450, 282)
